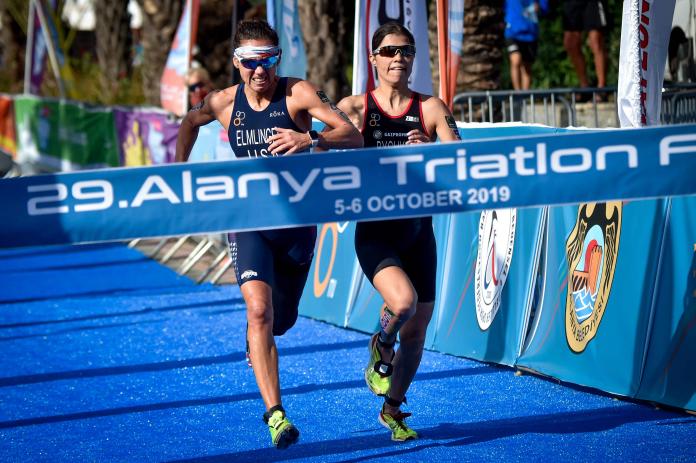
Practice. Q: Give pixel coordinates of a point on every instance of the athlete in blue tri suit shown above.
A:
(398, 256)
(265, 116)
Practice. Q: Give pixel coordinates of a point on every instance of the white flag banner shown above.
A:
(645, 30)
(369, 15)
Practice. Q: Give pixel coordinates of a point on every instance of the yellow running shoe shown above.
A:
(395, 423)
(283, 432)
(378, 372)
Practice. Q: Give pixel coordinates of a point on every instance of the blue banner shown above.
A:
(407, 181)
(488, 279)
(668, 376)
(334, 274)
(591, 324)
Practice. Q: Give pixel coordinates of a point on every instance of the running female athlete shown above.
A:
(398, 256)
(267, 115)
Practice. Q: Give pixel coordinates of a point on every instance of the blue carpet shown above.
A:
(108, 356)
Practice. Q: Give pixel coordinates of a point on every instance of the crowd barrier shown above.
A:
(602, 295)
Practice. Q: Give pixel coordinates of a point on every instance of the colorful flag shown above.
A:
(450, 32)
(284, 17)
(35, 66)
(173, 88)
(369, 15)
(44, 39)
(645, 31)
(8, 137)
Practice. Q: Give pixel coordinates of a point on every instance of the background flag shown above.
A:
(369, 15)
(284, 17)
(645, 30)
(173, 89)
(450, 33)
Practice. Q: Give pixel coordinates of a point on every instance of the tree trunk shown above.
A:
(13, 42)
(160, 20)
(482, 48)
(112, 33)
(323, 25)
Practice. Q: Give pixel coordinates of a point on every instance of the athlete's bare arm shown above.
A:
(439, 119)
(215, 106)
(354, 107)
(305, 99)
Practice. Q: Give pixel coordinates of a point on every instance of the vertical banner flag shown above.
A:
(8, 139)
(173, 89)
(284, 17)
(49, 36)
(450, 32)
(369, 15)
(35, 65)
(645, 30)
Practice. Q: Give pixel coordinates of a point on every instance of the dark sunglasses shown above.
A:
(266, 63)
(389, 51)
(193, 87)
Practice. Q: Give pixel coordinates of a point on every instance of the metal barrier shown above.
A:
(554, 107)
(678, 107)
(561, 107)
(202, 258)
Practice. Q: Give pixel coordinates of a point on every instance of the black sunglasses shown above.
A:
(193, 87)
(389, 51)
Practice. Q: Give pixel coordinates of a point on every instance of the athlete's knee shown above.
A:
(403, 306)
(259, 312)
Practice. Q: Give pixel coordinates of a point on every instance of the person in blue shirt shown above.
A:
(521, 36)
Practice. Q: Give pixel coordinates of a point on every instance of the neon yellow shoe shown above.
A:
(395, 423)
(378, 372)
(283, 432)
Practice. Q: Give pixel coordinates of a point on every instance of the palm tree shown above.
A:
(160, 20)
(113, 40)
(482, 49)
(13, 34)
(324, 27)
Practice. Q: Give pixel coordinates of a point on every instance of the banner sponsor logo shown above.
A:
(591, 252)
(496, 243)
(326, 284)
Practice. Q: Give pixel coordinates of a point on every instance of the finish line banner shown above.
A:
(405, 181)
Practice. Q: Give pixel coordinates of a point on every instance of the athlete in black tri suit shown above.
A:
(265, 116)
(398, 256)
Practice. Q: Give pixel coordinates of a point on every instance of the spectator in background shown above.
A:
(521, 37)
(199, 85)
(590, 16)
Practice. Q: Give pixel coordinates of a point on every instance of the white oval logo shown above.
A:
(496, 243)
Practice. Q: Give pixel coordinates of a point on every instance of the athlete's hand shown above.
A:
(416, 136)
(287, 141)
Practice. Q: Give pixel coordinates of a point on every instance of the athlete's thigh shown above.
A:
(290, 281)
(252, 257)
(375, 248)
(420, 263)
